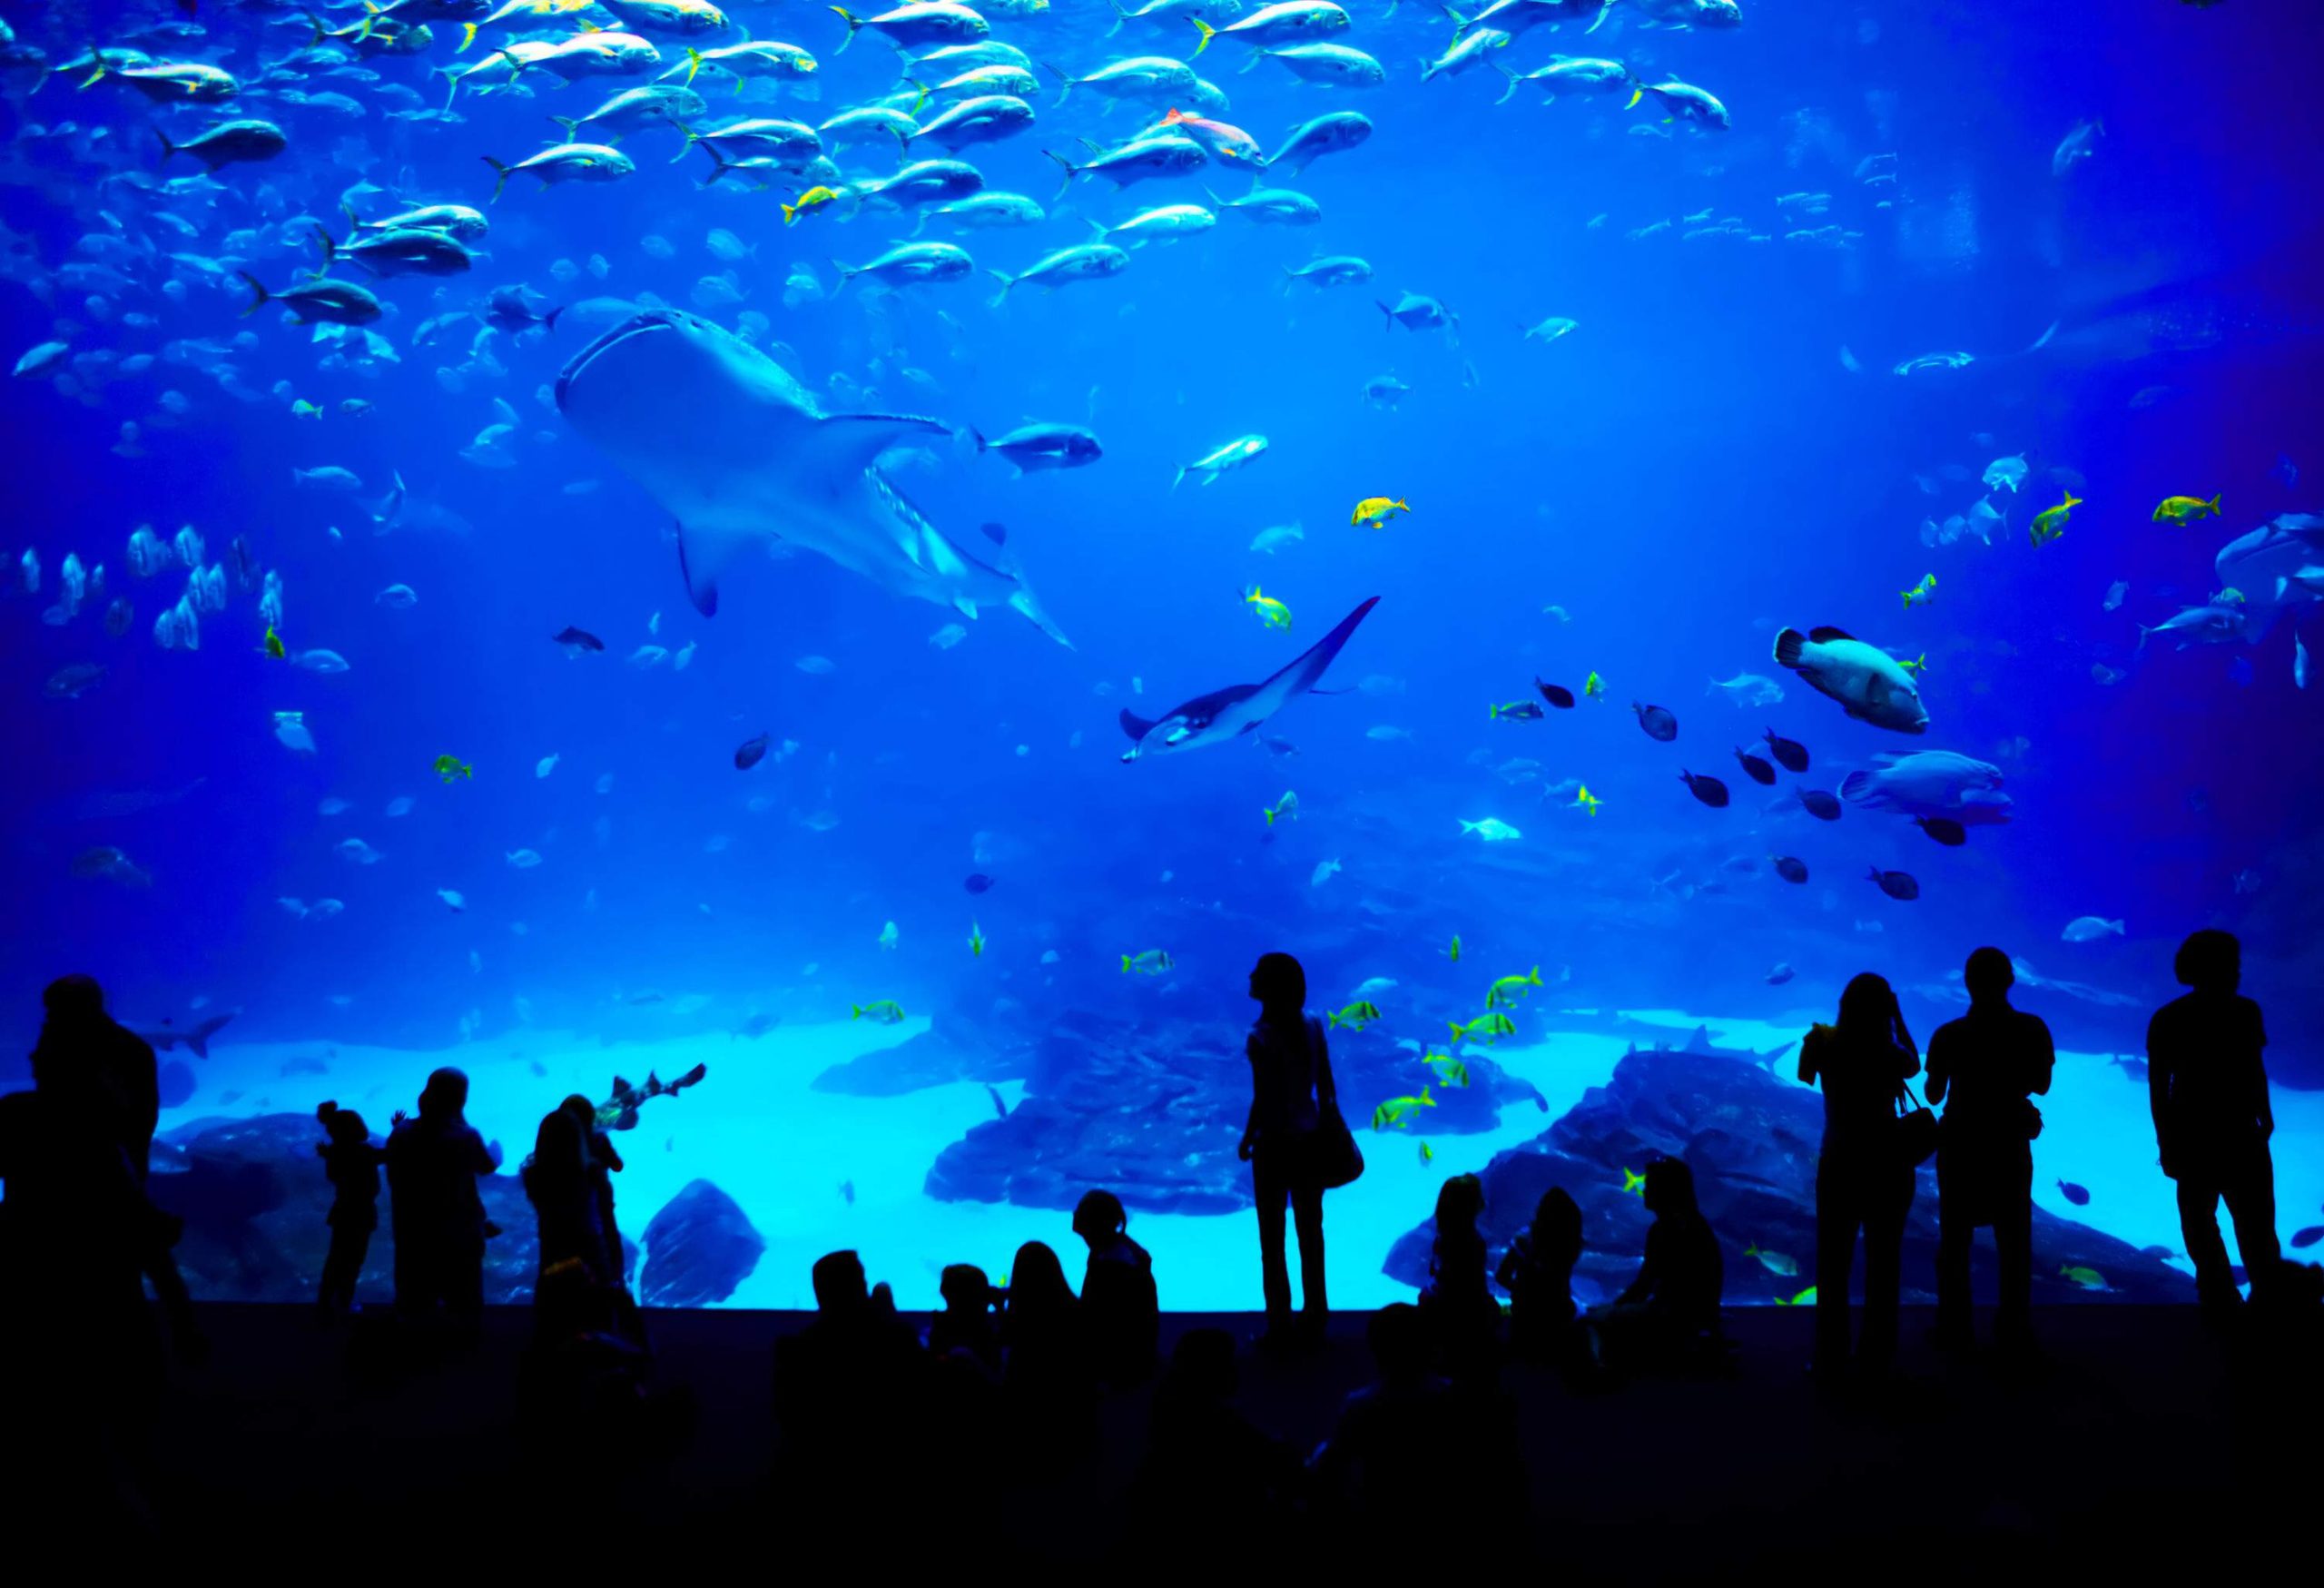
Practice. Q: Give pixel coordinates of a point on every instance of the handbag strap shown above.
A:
(1906, 1095)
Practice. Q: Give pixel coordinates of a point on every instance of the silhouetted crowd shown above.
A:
(1013, 1376)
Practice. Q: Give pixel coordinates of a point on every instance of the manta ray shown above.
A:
(1229, 713)
(736, 450)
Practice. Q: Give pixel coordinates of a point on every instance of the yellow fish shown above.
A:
(1355, 1016)
(2231, 597)
(1288, 805)
(273, 646)
(1921, 594)
(2050, 522)
(1586, 801)
(1374, 512)
(1918, 665)
(2088, 1278)
(1805, 1298)
(1449, 1069)
(813, 199)
(450, 768)
(1486, 1028)
(1454, 952)
(2182, 511)
(976, 940)
(1427, 1153)
(1397, 1112)
(1507, 990)
(1272, 612)
(1594, 686)
(304, 410)
(1632, 1181)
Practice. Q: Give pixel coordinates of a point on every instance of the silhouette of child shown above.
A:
(1538, 1273)
(2208, 1091)
(352, 1165)
(1121, 1311)
(1459, 1306)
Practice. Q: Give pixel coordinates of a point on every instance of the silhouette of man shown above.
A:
(433, 1162)
(2208, 1091)
(108, 1066)
(1985, 1068)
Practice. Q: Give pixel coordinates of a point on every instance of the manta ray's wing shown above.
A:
(1302, 676)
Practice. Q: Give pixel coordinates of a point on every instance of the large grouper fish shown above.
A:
(737, 452)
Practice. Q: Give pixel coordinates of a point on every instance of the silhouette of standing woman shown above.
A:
(433, 1162)
(1863, 1182)
(2208, 1093)
(1291, 1084)
(1991, 1060)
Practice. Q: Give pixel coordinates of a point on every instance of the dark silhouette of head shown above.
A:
(583, 1113)
(1202, 1366)
(345, 1127)
(1099, 1216)
(1989, 976)
(1037, 1281)
(1557, 1219)
(444, 1096)
(1398, 1336)
(965, 1288)
(1459, 1203)
(74, 999)
(1670, 1190)
(839, 1283)
(2209, 961)
(1868, 1007)
(558, 1141)
(1280, 984)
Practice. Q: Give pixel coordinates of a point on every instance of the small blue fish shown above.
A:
(2077, 1194)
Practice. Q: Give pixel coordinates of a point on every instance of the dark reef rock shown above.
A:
(1751, 1141)
(699, 1248)
(952, 1049)
(1153, 1114)
(254, 1199)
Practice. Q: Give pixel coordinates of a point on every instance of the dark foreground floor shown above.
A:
(2149, 1448)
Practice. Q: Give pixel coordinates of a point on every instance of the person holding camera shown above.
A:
(1986, 1068)
(1863, 1180)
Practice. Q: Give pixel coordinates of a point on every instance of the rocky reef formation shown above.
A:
(1751, 1141)
(698, 1248)
(254, 1199)
(1151, 1112)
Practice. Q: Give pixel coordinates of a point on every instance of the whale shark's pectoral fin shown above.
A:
(703, 556)
(1134, 726)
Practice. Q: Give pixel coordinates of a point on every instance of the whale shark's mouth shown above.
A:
(643, 324)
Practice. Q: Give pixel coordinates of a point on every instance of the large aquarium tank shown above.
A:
(830, 581)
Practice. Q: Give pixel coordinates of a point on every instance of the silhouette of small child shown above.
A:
(1121, 1310)
(1538, 1273)
(352, 1164)
(1458, 1304)
(968, 1327)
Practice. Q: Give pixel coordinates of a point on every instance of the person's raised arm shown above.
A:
(1808, 1045)
(1940, 1065)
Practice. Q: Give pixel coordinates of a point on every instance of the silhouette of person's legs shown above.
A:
(1307, 1214)
(2014, 1243)
(1954, 1236)
(1885, 1209)
(1838, 1214)
(2250, 1193)
(1274, 1272)
(2199, 1229)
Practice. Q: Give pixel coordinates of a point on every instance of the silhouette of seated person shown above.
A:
(1396, 1435)
(2207, 1089)
(1537, 1271)
(1048, 1379)
(351, 1163)
(1986, 1067)
(1121, 1312)
(968, 1327)
(1462, 1317)
(433, 1165)
(1206, 1463)
(847, 1386)
(1668, 1319)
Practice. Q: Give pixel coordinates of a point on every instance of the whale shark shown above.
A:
(735, 449)
(1228, 714)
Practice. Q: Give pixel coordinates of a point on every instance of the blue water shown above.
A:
(1694, 466)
